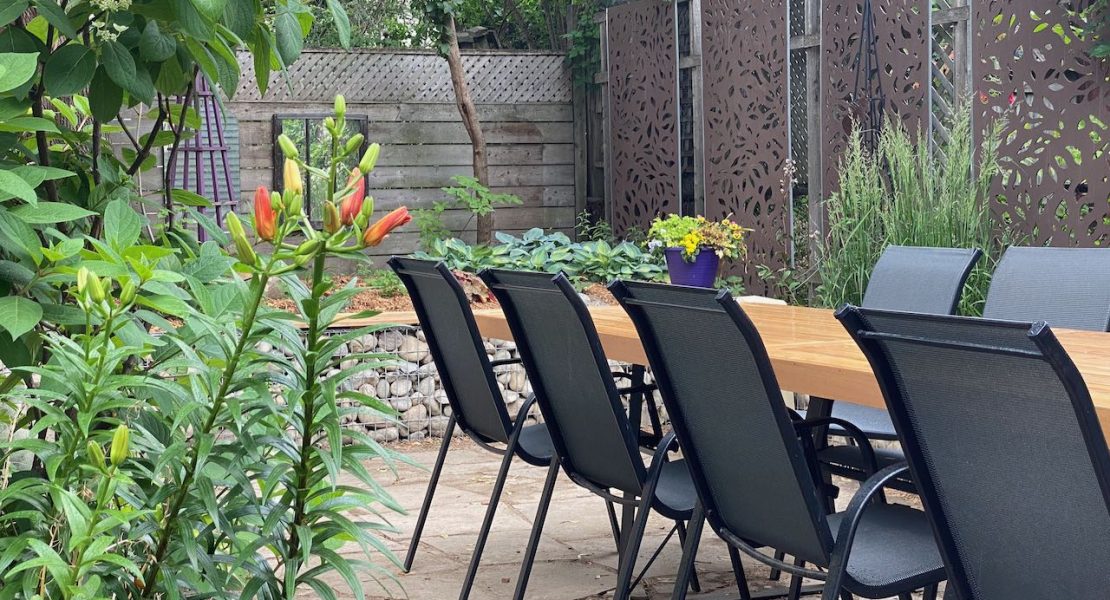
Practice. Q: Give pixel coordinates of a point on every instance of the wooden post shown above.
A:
(581, 120)
(696, 85)
(813, 124)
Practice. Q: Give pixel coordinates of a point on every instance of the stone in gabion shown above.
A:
(441, 396)
(382, 390)
(433, 407)
(502, 355)
(412, 349)
(390, 341)
(369, 342)
(416, 436)
(401, 404)
(517, 380)
(400, 387)
(386, 434)
(427, 386)
(349, 363)
(437, 426)
(415, 418)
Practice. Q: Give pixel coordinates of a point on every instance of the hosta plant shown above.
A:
(165, 449)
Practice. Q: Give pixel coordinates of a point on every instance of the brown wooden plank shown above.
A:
(252, 111)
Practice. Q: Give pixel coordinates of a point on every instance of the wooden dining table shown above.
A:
(813, 354)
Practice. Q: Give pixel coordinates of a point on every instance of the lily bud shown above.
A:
(96, 288)
(340, 106)
(351, 206)
(95, 454)
(369, 158)
(292, 178)
(308, 247)
(121, 444)
(287, 146)
(301, 259)
(293, 208)
(378, 231)
(354, 143)
(276, 203)
(329, 123)
(83, 275)
(265, 219)
(243, 248)
(332, 220)
(127, 292)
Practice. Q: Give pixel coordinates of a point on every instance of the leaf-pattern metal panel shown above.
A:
(1031, 71)
(643, 112)
(747, 113)
(902, 29)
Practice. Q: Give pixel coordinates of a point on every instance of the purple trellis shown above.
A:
(200, 153)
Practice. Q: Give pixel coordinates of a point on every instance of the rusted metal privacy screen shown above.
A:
(643, 112)
(902, 28)
(747, 115)
(1032, 72)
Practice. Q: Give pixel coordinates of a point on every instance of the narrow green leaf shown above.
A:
(50, 213)
(12, 11)
(56, 16)
(119, 64)
(12, 185)
(342, 22)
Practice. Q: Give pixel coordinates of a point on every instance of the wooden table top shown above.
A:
(812, 353)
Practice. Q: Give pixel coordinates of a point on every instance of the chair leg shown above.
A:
(776, 573)
(738, 572)
(930, 592)
(695, 585)
(796, 582)
(613, 524)
(491, 510)
(689, 554)
(634, 537)
(537, 529)
(448, 433)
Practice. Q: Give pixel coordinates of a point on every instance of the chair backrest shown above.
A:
(726, 408)
(571, 378)
(1005, 446)
(457, 349)
(919, 279)
(1067, 287)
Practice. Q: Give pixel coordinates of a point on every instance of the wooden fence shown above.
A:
(524, 101)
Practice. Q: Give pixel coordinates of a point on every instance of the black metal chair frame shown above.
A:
(637, 508)
(458, 418)
(1051, 352)
(837, 581)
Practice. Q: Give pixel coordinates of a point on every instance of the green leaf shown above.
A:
(213, 9)
(105, 97)
(16, 69)
(69, 70)
(154, 45)
(12, 11)
(57, 17)
(19, 315)
(342, 22)
(119, 64)
(14, 186)
(21, 239)
(190, 198)
(122, 225)
(49, 213)
(289, 38)
(191, 21)
(239, 16)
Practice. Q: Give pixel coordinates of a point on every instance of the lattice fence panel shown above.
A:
(902, 28)
(413, 76)
(1032, 72)
(643, 112)
(746, 108)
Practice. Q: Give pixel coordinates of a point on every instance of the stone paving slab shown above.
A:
(577, 557)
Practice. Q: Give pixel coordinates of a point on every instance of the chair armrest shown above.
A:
(848, 526)
(855, 432)
(504, 361)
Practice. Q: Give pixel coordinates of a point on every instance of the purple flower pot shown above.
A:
(700, 273)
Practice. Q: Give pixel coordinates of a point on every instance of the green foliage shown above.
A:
(733, 283)
(589, 229)
(594, 262)
(584, 44)
(368, 23)
(385, 282)
(469, 194)
(911, 195)
(152, 447)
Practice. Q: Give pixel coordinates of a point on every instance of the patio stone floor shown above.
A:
(577, 557)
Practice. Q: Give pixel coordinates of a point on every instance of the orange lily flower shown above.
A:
(378, 231)
(265, 220)
(350, 206)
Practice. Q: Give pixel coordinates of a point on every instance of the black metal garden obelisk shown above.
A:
(867, 97)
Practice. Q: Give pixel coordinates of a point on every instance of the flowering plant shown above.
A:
(692, 234)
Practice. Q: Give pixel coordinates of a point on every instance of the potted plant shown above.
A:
(694, 246)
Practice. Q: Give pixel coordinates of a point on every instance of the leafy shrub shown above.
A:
(597, 261)
(386, 283)
(468, 194)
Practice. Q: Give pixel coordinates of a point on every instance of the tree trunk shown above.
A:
(473, 126)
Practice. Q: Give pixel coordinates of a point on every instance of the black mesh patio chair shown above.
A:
(1007, 451)
(596, 443)
(477, 406)
(748, 456)
(908, 278)
(1067, 287)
